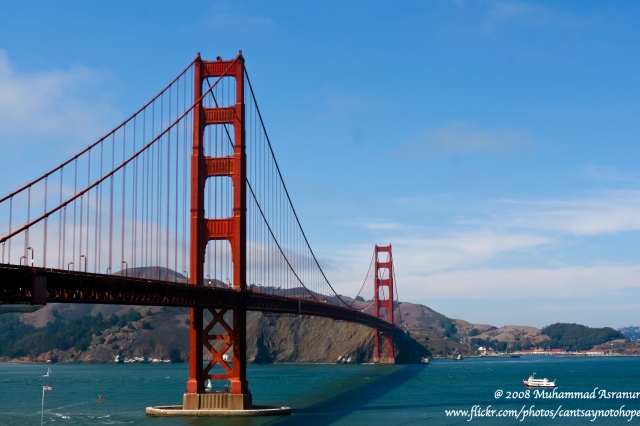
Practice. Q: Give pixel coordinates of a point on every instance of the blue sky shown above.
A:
(493, 143)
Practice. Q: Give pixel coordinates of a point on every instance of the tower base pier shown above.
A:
(216, 404)
(217, 401)
(179, 411)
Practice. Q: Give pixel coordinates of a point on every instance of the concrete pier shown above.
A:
(178, 411)
(217, 401)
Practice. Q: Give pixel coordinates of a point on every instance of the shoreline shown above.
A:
(332, 363)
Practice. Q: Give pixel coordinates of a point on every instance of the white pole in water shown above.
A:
(42, 409)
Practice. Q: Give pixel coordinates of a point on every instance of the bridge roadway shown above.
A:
(23, 284)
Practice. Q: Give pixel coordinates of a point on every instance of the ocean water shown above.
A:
(329, 394)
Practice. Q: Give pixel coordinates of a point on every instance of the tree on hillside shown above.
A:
(576, 337)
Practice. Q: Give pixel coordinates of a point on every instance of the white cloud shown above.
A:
(567, 282)
(500, 13)
(510, 9)
(463, 138)
(608, 174)
(337, 105)
(52, 103)
(346, 102)
(610, 212)
(375, 224)
(597, 213)
(420, 257)
(497, 253)
(242, 23)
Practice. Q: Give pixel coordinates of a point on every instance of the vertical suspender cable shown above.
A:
(151, 183)
(113, 145)
(46, 221)
(134, 247)
(26, 231)
(88, 208)
(175, 248)
(59, 224)
(98, 255)
(75, 191)
(159, 187)
(124, 196)
(168, 188)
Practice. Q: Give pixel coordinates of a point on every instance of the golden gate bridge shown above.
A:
(183, 204)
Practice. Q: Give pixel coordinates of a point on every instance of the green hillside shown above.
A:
(576, 337)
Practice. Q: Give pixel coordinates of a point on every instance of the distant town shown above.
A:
(482, 351)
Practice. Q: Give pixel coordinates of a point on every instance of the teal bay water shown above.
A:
(318, 394)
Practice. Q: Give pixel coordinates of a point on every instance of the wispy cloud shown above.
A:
(345, 101)
(382, 225)
(500, 13)
(597, 213)
(421, 257)
(374, 224)
(610, 212)
(53, 103)
(459, 138)
(242, 23)
(341, 105)
(498, 250)
(608, 174)
(598, 295)
(516, 283)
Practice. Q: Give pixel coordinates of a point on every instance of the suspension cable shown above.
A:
(33, 182)
(295, 214)
(114, 170)
(365, 280)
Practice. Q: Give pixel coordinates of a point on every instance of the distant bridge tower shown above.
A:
(218, 340)
(383, 350)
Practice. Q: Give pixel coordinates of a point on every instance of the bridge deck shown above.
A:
(21, 284)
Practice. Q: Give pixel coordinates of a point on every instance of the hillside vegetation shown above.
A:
(20, 340)
(96, 333)
(576, 337)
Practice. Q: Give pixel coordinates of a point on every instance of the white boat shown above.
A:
(425, 360)
(208, 386)
(532, 382)
(48, 373)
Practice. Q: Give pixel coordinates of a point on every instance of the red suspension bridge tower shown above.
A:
(383, 349)
(228, 337)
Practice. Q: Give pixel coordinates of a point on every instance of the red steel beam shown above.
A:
(383, 341)
(232, 229)
(22, 284)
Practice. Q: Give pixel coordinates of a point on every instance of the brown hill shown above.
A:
(163, 333)
(514, 333)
